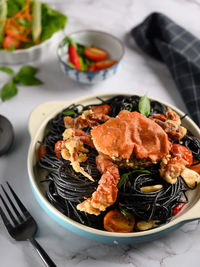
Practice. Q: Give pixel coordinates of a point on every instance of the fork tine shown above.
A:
(21, 206)
(9, 211)
(5, 220)
(13, 206)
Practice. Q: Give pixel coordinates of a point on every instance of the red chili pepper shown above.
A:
(73, 55)
(178, 208)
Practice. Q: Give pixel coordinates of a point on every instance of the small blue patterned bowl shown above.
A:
(106, 41)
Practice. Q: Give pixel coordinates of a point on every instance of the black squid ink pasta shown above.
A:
(67, 188)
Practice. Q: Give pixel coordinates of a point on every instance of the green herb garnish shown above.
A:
(125, 176)
(69, 112)
(130, 108)
(25, 76)
(7, 70)
(144, 105)
(8, 91)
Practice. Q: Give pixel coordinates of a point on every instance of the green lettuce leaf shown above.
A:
(52, 21)
(14, 6)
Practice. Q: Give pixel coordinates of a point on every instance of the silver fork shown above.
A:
(21, 225)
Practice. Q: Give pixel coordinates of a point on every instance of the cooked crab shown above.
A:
(171, 124)
(130, 140)
(125, 140)
(176, 164)
(74, 138)
(91, 117)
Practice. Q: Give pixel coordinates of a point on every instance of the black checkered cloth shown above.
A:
(166, 41)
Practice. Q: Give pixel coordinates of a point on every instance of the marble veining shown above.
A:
(138, 74)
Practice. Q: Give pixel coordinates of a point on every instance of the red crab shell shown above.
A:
(131, 133)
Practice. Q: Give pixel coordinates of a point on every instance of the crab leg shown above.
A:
(106, 193)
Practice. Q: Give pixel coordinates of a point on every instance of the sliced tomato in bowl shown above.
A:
(104, 64)
(11, 42)
(95, 53)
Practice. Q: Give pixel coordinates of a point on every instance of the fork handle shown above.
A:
(46, 259)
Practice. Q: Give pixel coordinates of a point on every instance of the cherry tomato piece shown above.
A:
(95, 53)
(57, 148)
(183, 152)
(11, 42)
(115, 221)
(102, 109)
(162, 115)
(42, 151)
(92, 68)
(104, 64)
(178, 208)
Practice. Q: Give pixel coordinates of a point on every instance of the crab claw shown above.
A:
(106, 193)
(91, 117)
(175, 164)
(171, 124)
(73, 149)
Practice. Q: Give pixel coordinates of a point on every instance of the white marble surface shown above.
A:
(138, 74)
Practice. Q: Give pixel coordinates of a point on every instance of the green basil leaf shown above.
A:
(26, 80)
(125, 176)
(27, 70)
(7, 70)
(144, 105)
(69, 112)
(8, 91)
(25, 76)
(130, 107)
